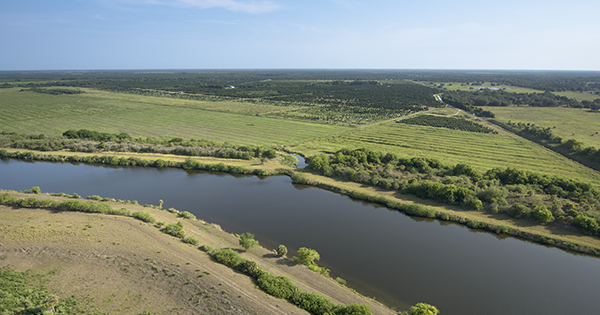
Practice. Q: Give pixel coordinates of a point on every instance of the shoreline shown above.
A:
(410, 205)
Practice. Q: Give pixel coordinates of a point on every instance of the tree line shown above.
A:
(518, 193)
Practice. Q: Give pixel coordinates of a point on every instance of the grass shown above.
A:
(568, 123)
(484, 151)
(29, 112)
(580, 96)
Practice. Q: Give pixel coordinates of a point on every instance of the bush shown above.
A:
(278, 286)
(247, 241)
(175, 229)
(190, 240)
(282, 250)
(35, 190)
(340, 281)
(186, 215)
(144, 216)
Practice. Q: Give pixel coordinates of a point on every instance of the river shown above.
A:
(385, 254)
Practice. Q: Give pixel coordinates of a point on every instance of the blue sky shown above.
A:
(356, 34)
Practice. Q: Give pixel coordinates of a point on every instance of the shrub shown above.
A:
(144, 216)
(282, 250)
(247, 241)
(186, 215)
(190, 240)
(35, 190)
(542, 214)
(175, 229)
(340, 281)
(278, 286)
(306, 256)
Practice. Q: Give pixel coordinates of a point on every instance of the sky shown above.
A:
(307, 34)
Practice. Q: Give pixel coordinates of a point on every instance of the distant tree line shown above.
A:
(90, 141)
(502, 98)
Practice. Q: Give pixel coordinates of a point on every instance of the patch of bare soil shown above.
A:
(120, 265)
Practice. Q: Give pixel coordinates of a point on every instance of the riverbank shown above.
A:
(550, 234)
(116, 264)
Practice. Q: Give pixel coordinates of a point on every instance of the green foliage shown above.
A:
(340, 281)
(282, 287)
(447, 122)
(306, 256)
(35, 190)
(25, 293)
(542, 214)
(95, 135)
(277, 286)
(247, 241)
(144, 216)
(423, 309)
(282, 250)
(587, 225)
(175, 229)
(190, 240)
(186, 215)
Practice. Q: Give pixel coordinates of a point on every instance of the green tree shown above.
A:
(587, 225)
(423, 309)
(282, 250)
(306, 256)
(542, 214)
(247, 241)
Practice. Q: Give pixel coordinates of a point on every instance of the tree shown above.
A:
(306, 256)
(542, 214)
(423, 309)
(247, 241)
(282, 250)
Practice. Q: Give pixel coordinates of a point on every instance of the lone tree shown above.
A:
(247, 241)
(423, 309)
(306, 256)
(281, 250)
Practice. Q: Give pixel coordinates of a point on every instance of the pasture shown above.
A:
(482, 150)
(458, 86)
(142, 116)
(580, 96)
(569, 123)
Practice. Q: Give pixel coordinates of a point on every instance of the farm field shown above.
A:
(568, 123)
(483, 151)
(457, 86)
(142, 116)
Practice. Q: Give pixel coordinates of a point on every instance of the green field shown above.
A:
(483, 151)
(568, 123)
(33, 113)
(580, 96)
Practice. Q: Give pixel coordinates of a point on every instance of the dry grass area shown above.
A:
(119, 265)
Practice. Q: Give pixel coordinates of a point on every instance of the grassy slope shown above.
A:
(483, 151)
(115, 264)
(570, 123)
(29, 112)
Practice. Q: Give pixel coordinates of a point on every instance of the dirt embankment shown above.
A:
(120, 265)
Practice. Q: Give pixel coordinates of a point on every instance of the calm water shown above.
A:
(397, 259)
